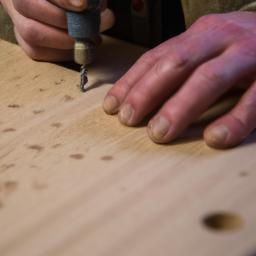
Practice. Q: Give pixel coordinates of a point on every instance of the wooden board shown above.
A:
(73, 181)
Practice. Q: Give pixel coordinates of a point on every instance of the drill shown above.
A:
(83, 26)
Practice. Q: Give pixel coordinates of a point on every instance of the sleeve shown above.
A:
(6, 28)
(194, 9)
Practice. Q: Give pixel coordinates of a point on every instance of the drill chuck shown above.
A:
(84, 51)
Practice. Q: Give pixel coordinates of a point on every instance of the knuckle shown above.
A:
(177, 57)
(208, 19)
(219, 21)
(174, 59)
(148, 59)
(121, 87)
(211, 78)
(246, 47)
(30, 33)
(231, 28)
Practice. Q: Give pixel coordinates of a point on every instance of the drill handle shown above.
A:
(85, 24)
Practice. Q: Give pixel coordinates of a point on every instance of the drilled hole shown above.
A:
(138, 5)
(223, 222)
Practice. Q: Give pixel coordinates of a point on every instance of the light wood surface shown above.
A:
(73, 181)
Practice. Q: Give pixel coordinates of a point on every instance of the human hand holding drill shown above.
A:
(186, 74)
(41, 26)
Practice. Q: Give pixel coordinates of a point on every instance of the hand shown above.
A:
(41, 26)
(188, 74)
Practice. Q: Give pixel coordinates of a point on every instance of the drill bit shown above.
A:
(84, 78)
(84, 54)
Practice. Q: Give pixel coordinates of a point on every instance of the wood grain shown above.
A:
(74, 181)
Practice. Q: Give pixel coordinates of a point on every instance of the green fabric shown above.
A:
(6, 28)
(194, 9)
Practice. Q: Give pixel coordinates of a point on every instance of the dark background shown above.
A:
(171, 16)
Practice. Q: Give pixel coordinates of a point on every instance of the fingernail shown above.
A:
(110, 104)
(77, 3)
(219, 133)
(159, 127)
(125, 114)
(104, 13)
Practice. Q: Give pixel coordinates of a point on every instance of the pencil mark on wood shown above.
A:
(34, 166)
(35, 147)
(5, 167)
(57, 83)
(67, 98)
(244, 174)
(39, 186)
(8, 187)
(56, 145)
(15, 78)
(123, 189)
(77, 156)
(42, 90)
(35, 77)
(9, 130)
(38, 111)
(5, 154)
(107, 158)
(57, 125)
(14, 106)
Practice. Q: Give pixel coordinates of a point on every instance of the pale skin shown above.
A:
(185, 74)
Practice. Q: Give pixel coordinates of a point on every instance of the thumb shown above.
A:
(75, 5)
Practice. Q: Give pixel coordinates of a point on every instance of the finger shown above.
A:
(72, 5)
(43, 53)
(43, 11)
(166, 76)
(231, 129)
(78, 5)
(40, 34)
(8, 5)
(120, 90)
(207, 84)
(107, 20)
